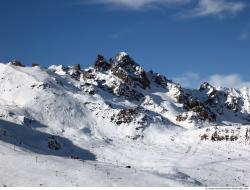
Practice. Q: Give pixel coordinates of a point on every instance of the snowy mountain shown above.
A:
(116, 124)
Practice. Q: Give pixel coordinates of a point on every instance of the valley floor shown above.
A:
(180, 160)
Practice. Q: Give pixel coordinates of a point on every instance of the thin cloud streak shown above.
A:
(232, 81)
(218, 8)
(139, 4)
(245, 35)
(194, 80)
(201, 8)
(189, 80)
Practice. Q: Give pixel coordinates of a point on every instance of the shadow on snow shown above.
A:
(37, 142)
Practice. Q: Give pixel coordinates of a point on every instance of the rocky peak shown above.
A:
(77, 67)
(73, 71)
(101, 64)
(204, 86)
(124, 61)
(122, 56)
(161, 80)
(123, 77)
(125, 68)
(17, 63)
(208, 89)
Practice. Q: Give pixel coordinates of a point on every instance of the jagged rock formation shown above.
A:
(17, 63)
(123, 77)
(66, 123)
(101, 64)
(121, 93)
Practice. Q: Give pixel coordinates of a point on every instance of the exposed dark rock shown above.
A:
(204, 113)
(133, 95)
(35, 65)
(125, 116)
(125, 61)
(204, 137)
(44, 85)
(180, 118)
(75, 74)
(74, 157)
(247, 134)
(77, 67)
(128, 80)
(144, 80)
(17, 63)
(205, 86)
(53, 144)
(122, 74)
(234, 138)
(129, 94)
(101, 64)
(193, 104)
(180, 95)
(161, 80)
(125, 68)
(87, 75)
(219, 99)
(216, 137)
(92, 92)
(234, 104)
(222, 135)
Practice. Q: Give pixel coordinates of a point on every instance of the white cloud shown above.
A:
(201, 8)
(122, 33)
(232, 81)
(194, 80)
(189, 80)
(138, 4)
(218, 8)
(245, 35)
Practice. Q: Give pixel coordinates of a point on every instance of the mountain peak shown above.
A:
(123, 79)
(65, 110)
(101, 64)
(120, 56)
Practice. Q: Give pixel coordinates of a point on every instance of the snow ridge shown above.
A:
(66, 111)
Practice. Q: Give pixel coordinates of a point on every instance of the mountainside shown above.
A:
(121, 121)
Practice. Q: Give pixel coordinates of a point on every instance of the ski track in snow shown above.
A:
(154, 167)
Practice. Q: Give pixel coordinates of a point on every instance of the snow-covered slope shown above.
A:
(117, 124)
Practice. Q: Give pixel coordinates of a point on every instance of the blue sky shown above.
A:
(187, 40)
